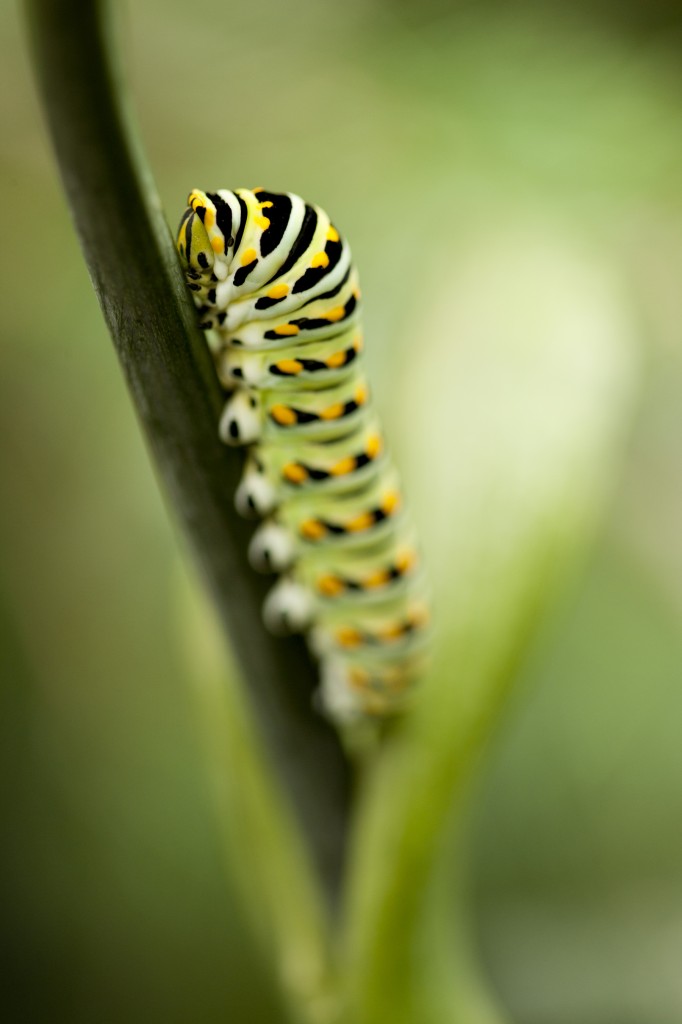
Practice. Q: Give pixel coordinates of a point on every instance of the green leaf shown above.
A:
(523, 389)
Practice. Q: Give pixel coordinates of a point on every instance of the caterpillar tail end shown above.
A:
(335, 699)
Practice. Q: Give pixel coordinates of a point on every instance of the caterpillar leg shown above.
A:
(271, 548)
(241, 421)
(335, 698)
(256, 496)
(288, 608)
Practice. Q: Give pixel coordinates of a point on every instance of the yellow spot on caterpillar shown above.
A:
(294, 472)
(283, 414)
(209, 218)
(312, 529)
(397, 683)
(419, 617)
(248, 257)
(361, 522)
(390, 502)
(266, 205)
(358, 343)
(320, 259)
(358, 677)
(261, 222)
(347, 636)
(332, 234)
(404, 561)
(376, 579)
(357, 294)
(332, 412)
(217, 245)
(278, 291)
(361, 394)
(337, 359)
(289, 366)
(374, 445)
(257, 189)
(392, 632)
(330, 586)
(335, 314)
(343, 466)
(286, 329)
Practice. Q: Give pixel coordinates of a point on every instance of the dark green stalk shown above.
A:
(147, 308)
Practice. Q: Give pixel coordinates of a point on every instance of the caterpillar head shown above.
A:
(193, 241)
(241, 419)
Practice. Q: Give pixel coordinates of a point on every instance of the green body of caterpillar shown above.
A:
(274, 279)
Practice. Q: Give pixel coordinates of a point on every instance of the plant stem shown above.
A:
(147, 308)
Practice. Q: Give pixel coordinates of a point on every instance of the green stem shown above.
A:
(266, 861)
(147, 308)
(451, 985)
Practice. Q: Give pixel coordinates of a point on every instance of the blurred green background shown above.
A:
(418, 125)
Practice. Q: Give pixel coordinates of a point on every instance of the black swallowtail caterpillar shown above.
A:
(273, 278)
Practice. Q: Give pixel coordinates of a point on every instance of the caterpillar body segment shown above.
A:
(279, 470)
(377, 686)
(317, 415)
(356, 520)
(336, 584)
(320, 364)
(274, 279)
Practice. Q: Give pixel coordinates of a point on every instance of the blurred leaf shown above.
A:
(520, 391)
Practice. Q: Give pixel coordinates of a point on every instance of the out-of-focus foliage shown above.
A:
(435, 133)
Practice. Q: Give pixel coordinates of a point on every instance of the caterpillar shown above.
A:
(275, 283)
